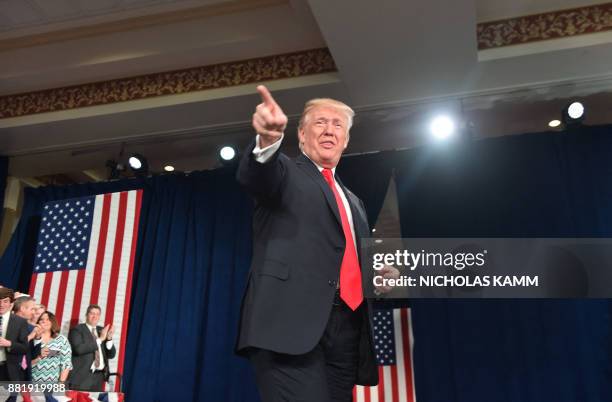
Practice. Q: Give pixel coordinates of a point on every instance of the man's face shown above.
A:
(5, 305)
(324, 135)
(27, 310)
(93, 317)
(37, 311)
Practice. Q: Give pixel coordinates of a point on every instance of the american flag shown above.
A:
(85, 255)
(393, 344)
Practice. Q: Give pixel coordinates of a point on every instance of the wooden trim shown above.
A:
(545, 26)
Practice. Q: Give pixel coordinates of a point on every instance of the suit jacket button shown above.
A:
(332, 283)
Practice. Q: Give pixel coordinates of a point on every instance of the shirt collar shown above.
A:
(320, 167)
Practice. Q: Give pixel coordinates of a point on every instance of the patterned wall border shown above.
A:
(545, 26)
(290, 65)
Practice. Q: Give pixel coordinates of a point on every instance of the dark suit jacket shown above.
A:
(84, 348)
(298, 245)
(33, 351)
(17, 333)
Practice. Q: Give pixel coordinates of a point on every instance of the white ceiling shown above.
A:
(21, 17)
(398, 63)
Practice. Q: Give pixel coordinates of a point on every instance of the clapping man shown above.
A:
(92, 347)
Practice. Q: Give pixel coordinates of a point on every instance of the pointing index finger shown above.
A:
(266, 96)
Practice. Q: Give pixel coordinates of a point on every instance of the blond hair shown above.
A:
(332, 103)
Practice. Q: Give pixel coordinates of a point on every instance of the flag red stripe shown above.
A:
(116, 264)
(354, 393)
(367, 394)
(78, 294)
(394, 383)
(381, 384)
(61, 297)
(407, 354)
(33, 284)
(44, 299)
(128, 287)
(95, 286)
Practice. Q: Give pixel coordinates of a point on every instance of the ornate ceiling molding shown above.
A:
(216, 76)
(545, 26)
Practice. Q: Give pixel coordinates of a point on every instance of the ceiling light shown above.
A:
(554, 123)
(573, 114)
(227, 153)
(138, 164)
(442, 127)
(575, 110)
(169, 168)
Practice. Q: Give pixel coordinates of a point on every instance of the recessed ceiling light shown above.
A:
(554, 123)
(169, 168)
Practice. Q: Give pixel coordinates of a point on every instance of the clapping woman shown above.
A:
(55, 359)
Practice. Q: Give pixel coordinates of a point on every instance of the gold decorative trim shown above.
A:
(290, 65)
(128, 24)
(545, 26)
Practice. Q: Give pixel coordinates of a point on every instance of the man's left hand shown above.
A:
(5, 343)
(387, 272)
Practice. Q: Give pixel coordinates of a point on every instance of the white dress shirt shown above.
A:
(5, 320)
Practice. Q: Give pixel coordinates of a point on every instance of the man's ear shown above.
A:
(300, 136)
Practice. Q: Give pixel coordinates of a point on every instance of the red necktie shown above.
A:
(350, 273)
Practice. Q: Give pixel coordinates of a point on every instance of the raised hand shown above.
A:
(269, 121)
(104, 333)
(34, 333)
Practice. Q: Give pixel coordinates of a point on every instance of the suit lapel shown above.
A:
(90, 335)
(359, 217)
(360, 220)
(9, 328)
(306, 164)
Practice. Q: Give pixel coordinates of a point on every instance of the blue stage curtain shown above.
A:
(368, 177)
(191, 265)
(534, 185)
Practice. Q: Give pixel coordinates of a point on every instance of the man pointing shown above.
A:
(305, 324)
